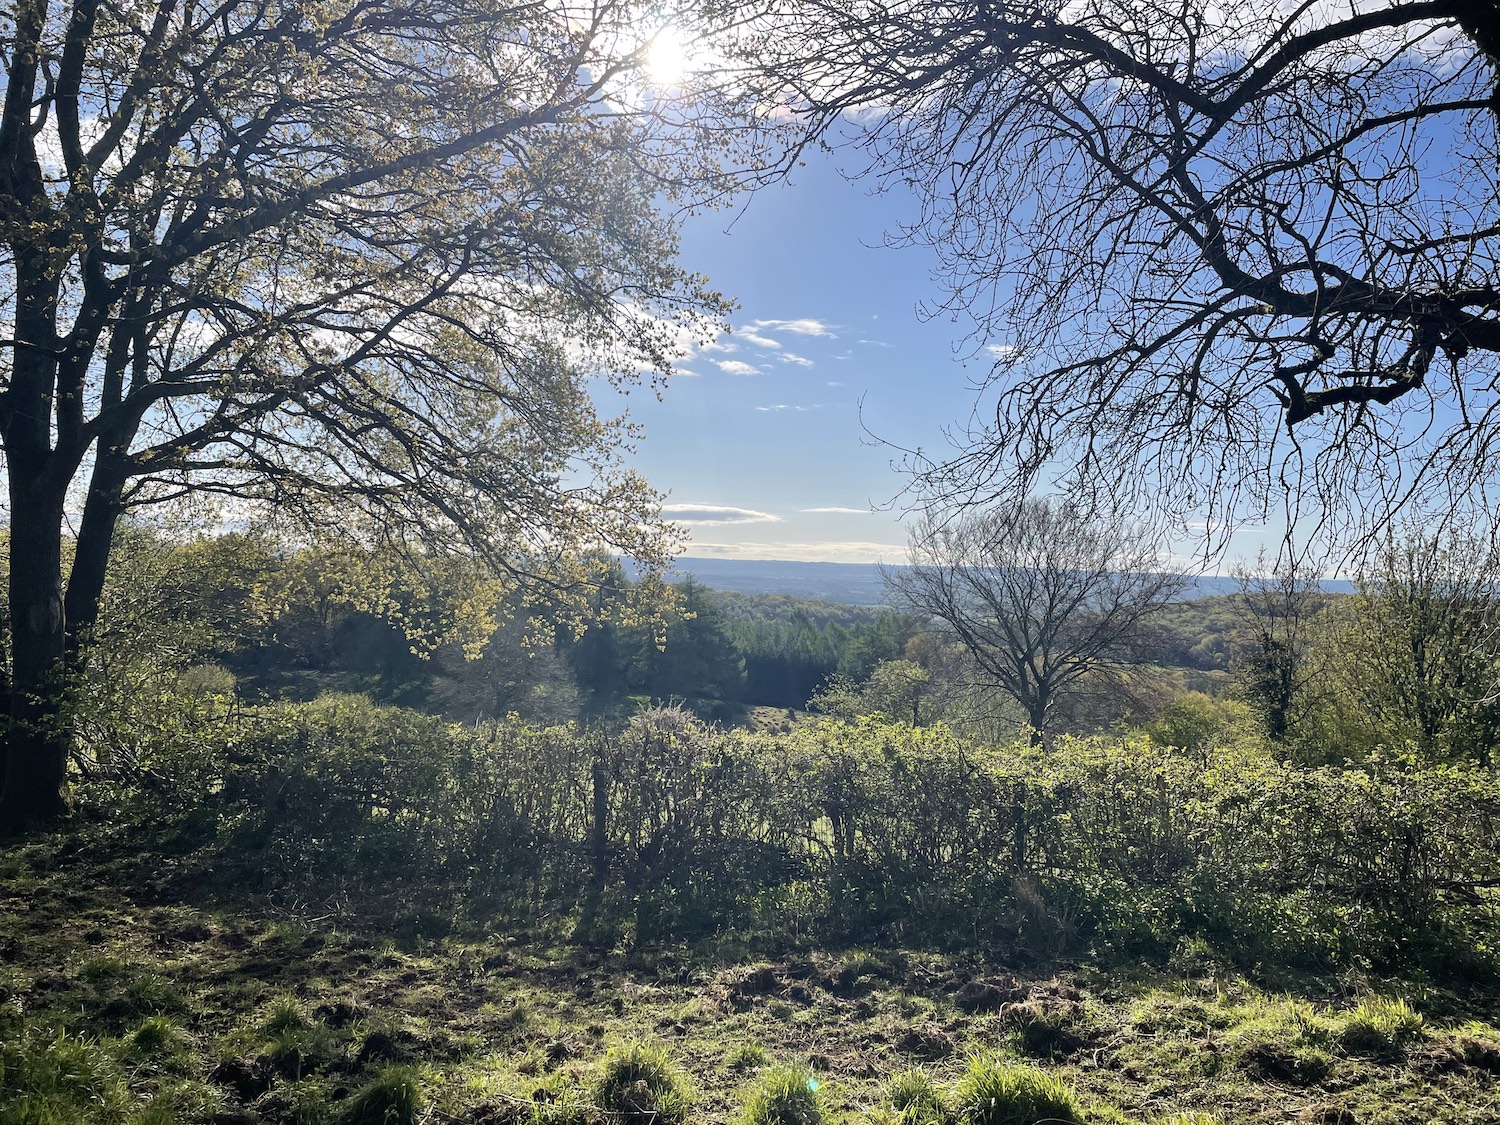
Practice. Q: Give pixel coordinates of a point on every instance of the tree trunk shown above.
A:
(37, 741)
(96, 533)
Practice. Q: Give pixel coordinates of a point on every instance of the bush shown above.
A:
(993, 1092)
(639, 1085)
(785, 1095)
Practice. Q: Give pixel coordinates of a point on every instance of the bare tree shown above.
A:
(356, 260)
(1041, 595)
(1228, 252)
(1281, 603)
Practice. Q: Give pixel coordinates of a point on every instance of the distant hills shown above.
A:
(852, 583)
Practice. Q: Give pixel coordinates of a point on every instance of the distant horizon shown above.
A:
(856, 583)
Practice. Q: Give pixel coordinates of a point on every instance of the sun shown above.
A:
(669, 58)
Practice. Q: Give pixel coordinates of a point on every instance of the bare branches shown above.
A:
(1041, 595)
(1230, 258)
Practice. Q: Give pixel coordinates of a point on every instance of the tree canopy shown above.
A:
(1229, 255)
(351, 261)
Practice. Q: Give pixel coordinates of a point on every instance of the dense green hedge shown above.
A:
(844, 830)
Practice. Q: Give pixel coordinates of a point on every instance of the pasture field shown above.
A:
(137, 987)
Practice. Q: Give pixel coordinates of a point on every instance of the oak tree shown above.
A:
(349, 260)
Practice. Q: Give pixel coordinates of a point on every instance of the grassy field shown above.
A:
(132, 994)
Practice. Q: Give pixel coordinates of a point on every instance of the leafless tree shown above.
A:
(1239, 254)
(1278, 668)
(1042, 594)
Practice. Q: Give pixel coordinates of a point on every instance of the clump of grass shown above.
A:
(284, 1014)
(60, 1080)
(639, 1084)
(1379, 1024)
(1189, 1117)
(394, 1098)
(748, 1056)
(101, 970)
(856, 964)
(785, 1095)
(1048, 1031)
(994, 1092)
(916, 1100)
(157, 1037)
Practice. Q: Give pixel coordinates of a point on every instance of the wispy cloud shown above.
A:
(841, 511)
(848, 551)
(758, 340)
(779, 406)
(683, 373)
(736, 367)
(720, 345)
(875, 343)
(715, 514)
(805, 326)
(833, 383)
(1001, 351)
(793, 357)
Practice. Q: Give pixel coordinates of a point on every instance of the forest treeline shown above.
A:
(1402, 665)
(315, 722)
(242, 614)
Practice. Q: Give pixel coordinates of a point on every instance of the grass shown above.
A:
(640, 1084)
(127, 1002)
(996, 1092)
(785, 1095)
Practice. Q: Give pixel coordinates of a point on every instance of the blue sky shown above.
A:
(778, 440)
(762, 442)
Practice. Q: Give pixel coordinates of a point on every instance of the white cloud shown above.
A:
(787, 406)
(1001, 351)
(715, 514)
(758, 340)
(841, 511)
(683, 373)
(833, 383)
(735, 367)
(720, 345)
(793, 357)
(875, 343)
(804, 326)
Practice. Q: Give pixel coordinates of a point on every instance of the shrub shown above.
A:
(639, 1084)
(785, 1095)
(394, 1098)
(993, 1092)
